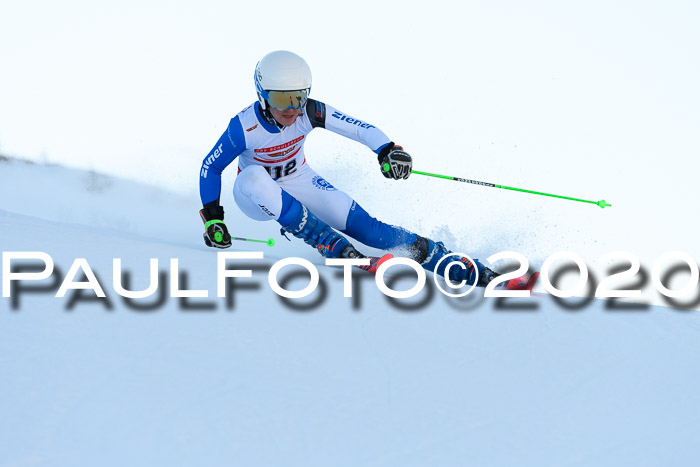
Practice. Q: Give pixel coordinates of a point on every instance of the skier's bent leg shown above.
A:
(426, 252)
(257, 195)
(260, 198)
(370, 231)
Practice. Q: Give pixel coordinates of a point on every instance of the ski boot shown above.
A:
(313, 231)
(329, 243)
(486, 276)
(429, 253)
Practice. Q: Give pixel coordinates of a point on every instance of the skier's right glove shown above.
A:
(216, 234)
(394, 162)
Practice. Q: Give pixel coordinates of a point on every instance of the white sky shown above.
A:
(131, 84)
(590, 99)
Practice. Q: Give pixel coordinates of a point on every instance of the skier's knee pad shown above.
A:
(255, 181)
(257, 195)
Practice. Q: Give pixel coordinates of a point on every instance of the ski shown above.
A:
(526, 282)
(375, 262)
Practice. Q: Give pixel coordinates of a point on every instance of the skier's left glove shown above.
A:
(216, 234)
(394, 162)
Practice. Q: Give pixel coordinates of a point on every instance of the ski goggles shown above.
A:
(283, 100)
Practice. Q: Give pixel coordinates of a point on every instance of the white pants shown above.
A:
(260, 197)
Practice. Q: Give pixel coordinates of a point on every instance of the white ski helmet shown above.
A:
(282, 80)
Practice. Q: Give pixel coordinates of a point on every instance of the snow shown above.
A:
(346, 381)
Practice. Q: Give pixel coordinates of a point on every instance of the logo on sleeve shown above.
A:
(210, 160)
(351, 120)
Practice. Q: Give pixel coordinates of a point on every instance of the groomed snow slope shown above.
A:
(257, 382)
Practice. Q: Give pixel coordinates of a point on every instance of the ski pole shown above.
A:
(270, 241)
(601, 203)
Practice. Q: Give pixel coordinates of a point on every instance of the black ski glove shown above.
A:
(216, 234)
(394, 162)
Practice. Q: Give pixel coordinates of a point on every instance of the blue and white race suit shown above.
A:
(271, 160)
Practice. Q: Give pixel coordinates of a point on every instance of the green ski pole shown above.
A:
(270, 241)
(218, 236)
(601, 203)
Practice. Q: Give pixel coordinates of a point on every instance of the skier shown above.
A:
(275, 182)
